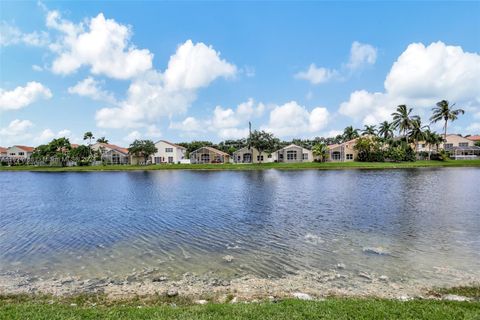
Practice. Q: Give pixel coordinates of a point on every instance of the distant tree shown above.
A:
(142, 148)
(369, 131)
(320, 150)
(369, 149)
(385, 130)
(60, 148)
(80, 154)
(477, 143)
(88, 136)
(402, 120)
(263, 141)
(349, 133)
(102, 140)
(444, 111)
(194, 145)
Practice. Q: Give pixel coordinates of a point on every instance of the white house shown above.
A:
(168, 152)
(19, 153)
(293, 153)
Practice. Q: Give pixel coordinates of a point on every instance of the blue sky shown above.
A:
(202, 70)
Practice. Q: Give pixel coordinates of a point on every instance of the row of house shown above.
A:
(167, 152)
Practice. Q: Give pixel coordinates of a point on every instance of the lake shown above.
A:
(422, 225)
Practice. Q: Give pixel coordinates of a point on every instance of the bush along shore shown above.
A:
(258, 166)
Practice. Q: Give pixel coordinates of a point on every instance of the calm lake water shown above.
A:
(273, 223)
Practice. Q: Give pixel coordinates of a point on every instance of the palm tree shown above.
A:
(320, 150)
(417, 132)
(444, 111)
(432, 139)
(102, 140)
(385, 130)
(402, 119)
(369, 130)
(88, 135)
(349, 133)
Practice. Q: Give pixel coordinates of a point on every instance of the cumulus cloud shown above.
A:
(156, 94)
(227, 123)
(292, 119)
(361, 54)
(194, 66)
(91, 88)
(421, 76)
(23, 96)
(316, 75)
(48, 135)
(132, 136)
(17, 131)
(99, 43)
(11, 35)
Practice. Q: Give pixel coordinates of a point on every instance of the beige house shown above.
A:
(111, 153)
(251, 155)
(292, 153)
(168, 152)
(19, 153)
(458, 147)
(208, 155)
(342, 152)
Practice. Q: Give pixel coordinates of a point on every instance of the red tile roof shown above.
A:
(474, 138)
(115, 147)
(3, 150)
(25, 148)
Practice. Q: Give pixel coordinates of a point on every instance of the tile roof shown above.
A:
(172, 144)
(114, 147)
(25, 148)
(3, 150)
(474, 138)
(213, 150)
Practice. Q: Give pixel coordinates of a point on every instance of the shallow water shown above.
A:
(416, 224)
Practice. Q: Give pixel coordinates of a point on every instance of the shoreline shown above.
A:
(256, 167)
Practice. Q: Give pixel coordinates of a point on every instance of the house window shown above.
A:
(158, 159)
(463, 144)
(280, 156)
(423, 145)
(205, 157)
(305, 156)
(269, 156)
(170, 159)
(349, 156)
(21, 153)
(239, 158)
(336, 155)
(259, 158)
(168, 149)
(448, 145)
(292, 155)
(12, 153)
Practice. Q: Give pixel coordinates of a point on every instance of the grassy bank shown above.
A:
(284, 166)
(333, 308)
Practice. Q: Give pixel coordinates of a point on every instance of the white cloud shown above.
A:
(474, 127)
(23, 96)
(194, 66)
(99, 43)
(316, 75)
(226, 123)
(16, 127)
(48, 135)
(361, 54)
(11, 35)
(90, 87)
(37, 68)
(154, 95)
(421, 76)
(292, 119)
(153, 132)
(132, 136)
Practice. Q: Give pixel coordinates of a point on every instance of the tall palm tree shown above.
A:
(350, 133)
(385, 130)
(89, 135)
(432, 139)
(369, 130)
(402, 121)
(417, 132)
(444, 111)
(320, 150)
(102, 140)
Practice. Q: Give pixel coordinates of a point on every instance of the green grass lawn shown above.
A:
(333, 308)
(285, 166)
